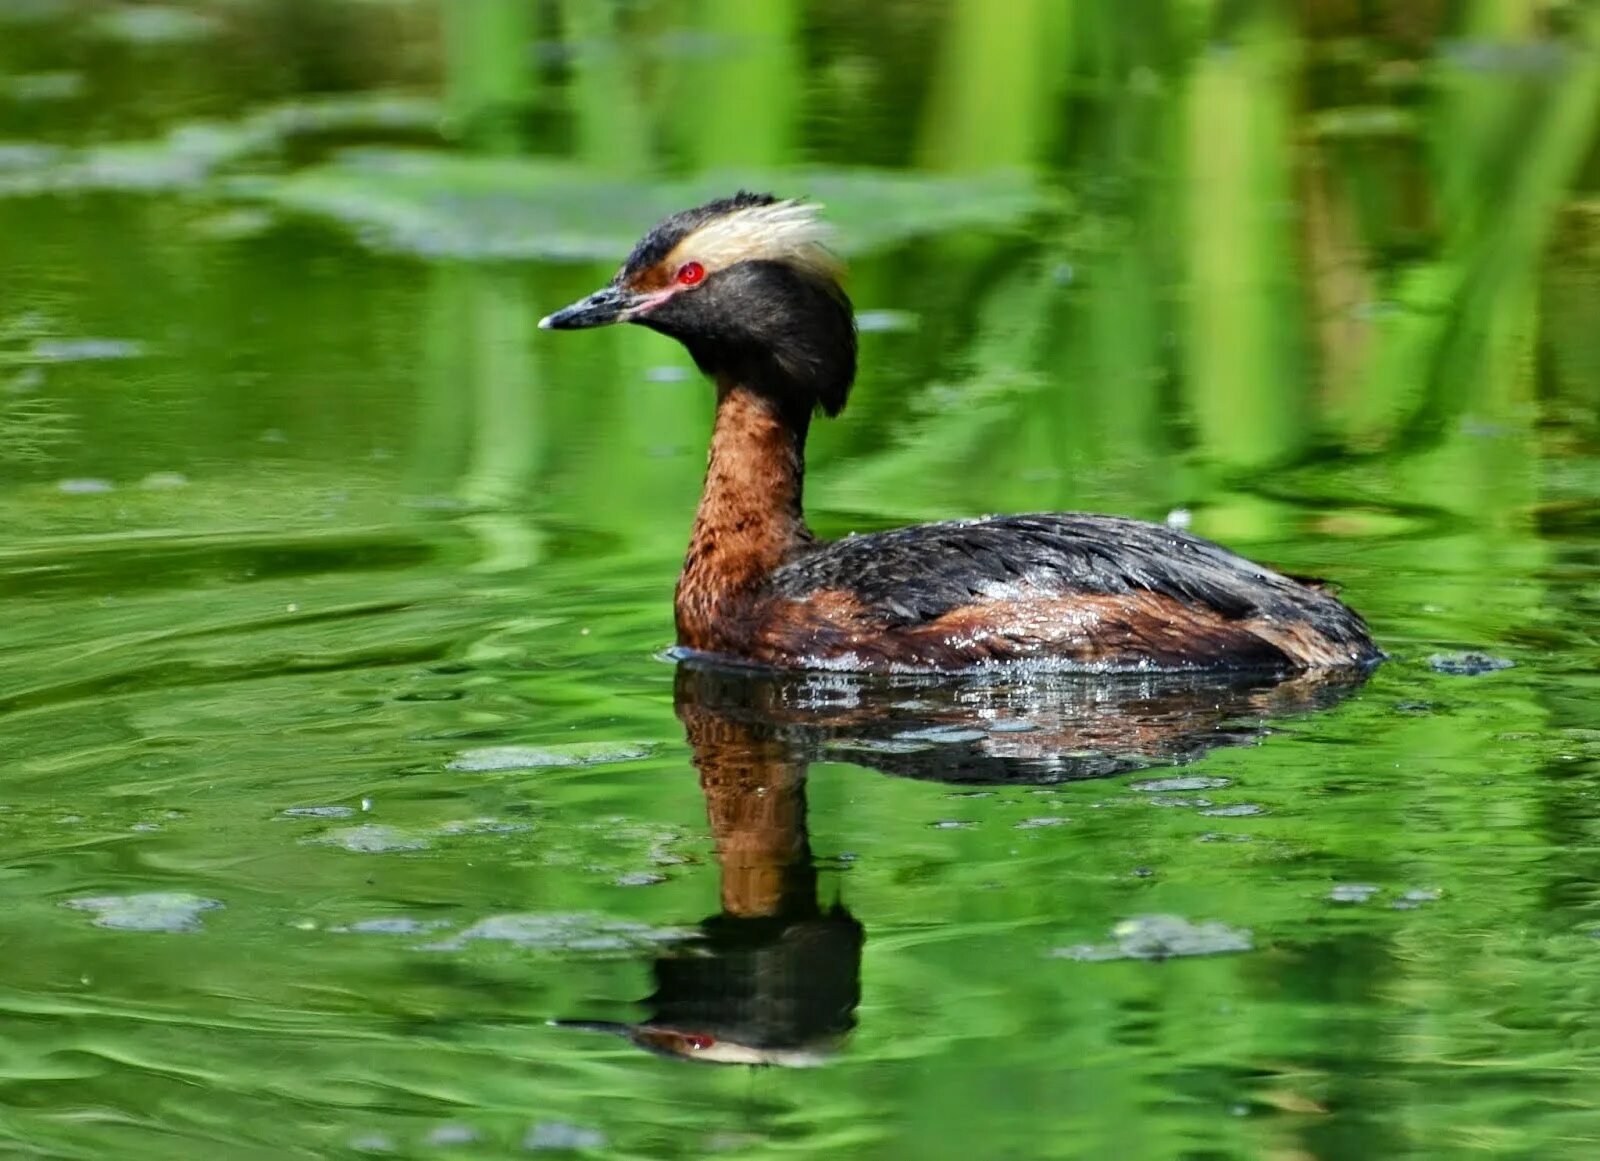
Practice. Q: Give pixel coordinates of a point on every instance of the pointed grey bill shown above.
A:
(606, 305)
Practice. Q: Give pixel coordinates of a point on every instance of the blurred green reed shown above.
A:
(1274, 231)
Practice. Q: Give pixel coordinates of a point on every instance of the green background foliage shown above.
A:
(297, 506)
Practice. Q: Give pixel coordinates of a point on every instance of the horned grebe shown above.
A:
(748, 286)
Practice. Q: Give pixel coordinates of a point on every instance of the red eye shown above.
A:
(698, 1042)
(690, 273)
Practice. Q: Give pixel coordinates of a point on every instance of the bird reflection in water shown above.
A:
(775, 977)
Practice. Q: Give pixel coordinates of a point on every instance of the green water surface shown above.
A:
(340, 753)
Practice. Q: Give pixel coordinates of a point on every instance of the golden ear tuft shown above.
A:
(787, 231)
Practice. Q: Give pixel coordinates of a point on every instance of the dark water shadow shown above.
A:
(1004, 727)
(776, 976)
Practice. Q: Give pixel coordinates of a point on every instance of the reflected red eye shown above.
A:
(698, 1042)
(690, 273)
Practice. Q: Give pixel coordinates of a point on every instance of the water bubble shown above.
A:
(85, 350)
(1352, 892)
(372, 839)
(1194, 782)
(452, 1134)
(876, 745)
(639, 879)
(562, 1136)
(490, 759)
(564, 932)
(164, 481)
(1469, 664)
(392, 925)
(170, 911)
(1237, 810)
(1161, 937)
(317, 812)
(85, 487)
(943, 734)
(481, 826)
(1416, 897)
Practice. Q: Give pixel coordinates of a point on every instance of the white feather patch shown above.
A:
(788, 232)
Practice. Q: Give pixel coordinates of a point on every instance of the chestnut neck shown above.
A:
(754, 785)
(749, 520)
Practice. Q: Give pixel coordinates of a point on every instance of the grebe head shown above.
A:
(747, 285)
